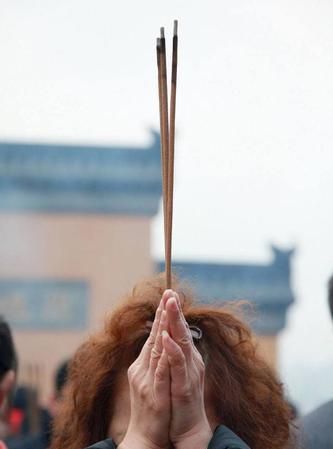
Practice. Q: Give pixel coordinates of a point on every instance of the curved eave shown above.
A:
(266, 287)
(74, 179)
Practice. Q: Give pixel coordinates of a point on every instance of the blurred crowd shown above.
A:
(24, 422)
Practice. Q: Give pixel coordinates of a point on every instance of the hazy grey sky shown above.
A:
(254, 147)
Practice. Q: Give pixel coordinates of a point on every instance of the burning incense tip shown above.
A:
(175, 27)
(162, 33)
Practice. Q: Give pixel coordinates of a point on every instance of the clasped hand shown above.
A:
(167, 386)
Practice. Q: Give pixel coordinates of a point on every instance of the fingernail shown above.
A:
(167, 292)
(174, 304)
(163, 316)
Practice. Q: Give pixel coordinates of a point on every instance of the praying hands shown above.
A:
(167, 386)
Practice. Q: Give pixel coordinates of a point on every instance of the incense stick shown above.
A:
(163, 149)
(167, 141)
(165, 145)
(171, 150)
(164, 120)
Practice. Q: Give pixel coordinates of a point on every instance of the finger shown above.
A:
(176, 296)
(156, 323)
(166, 295)
(144, 356)
(182, 313)
(158, 346)
(178, 300)
(194, 348)
(162, 376)
(172, 294)
(177, 362)
(195, 351)
(178, 328)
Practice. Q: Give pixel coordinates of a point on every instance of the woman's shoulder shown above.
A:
(106, 444)
(224, 438)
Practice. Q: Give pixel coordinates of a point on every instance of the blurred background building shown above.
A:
(75, 227)
(75, 224)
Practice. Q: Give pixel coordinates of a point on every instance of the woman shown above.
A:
(150, 381)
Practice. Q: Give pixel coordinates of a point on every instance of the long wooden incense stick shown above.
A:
(163, 149)
(171, 155)
(167, 140)
(165, 143)
(165, 146)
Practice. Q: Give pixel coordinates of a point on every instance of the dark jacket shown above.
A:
(27, 442)
(223, 438)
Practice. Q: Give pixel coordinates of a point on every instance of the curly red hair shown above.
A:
(246, 395)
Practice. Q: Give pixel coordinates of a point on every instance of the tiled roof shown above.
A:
(266, 286)
(71, 179)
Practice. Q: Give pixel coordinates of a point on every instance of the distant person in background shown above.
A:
(317, 427)
(8, 367)
(40, 440)
(60, 380)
